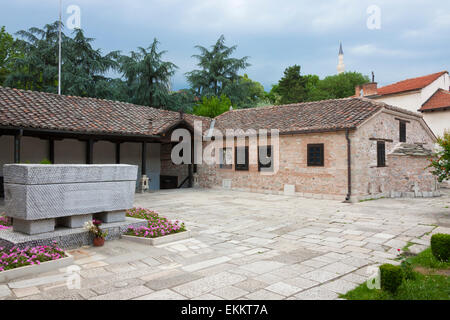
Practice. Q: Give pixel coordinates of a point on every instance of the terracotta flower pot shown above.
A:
(98, 242)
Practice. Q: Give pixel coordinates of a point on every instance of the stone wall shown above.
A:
(329, 181)
(404, 175)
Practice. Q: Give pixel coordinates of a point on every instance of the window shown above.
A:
(402, 131)
(225, 158)
(315, 155)
(241, 158)
(265, 158)
(381, 154)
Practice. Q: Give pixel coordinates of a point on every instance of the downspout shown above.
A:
(349, 167)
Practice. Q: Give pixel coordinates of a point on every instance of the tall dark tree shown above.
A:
(148, 75)
(84, 68)
(292, 86)
(217, 69)
(37, 67)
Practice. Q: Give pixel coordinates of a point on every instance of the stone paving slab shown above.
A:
(247, 246)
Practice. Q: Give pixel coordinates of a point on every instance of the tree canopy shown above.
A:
(148, 76)
(143, 77)
(217, 69)
(212, 106)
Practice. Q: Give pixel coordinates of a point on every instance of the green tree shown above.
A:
(441, 161)
(84, 68)
(245, 93)
(212, 106)
(273, 96)
(148, 75)
(182, 100)
(292, 86)
(37, 67)
(217, 69)
(7, 52)
(336, 86)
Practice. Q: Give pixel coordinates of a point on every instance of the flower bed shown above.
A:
(157, 226)
(5, 222)
(16, 257)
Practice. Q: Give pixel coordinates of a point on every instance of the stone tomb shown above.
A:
(40, 197)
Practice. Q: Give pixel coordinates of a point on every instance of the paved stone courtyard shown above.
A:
(248, 246)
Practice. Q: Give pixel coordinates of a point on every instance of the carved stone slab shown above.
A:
(34, 193)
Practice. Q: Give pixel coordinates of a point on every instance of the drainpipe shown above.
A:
(349, 167)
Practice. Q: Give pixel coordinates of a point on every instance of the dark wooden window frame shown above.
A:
(237, 166)
(402, 131)
(315, 158)
(268, 166)
(381, 154)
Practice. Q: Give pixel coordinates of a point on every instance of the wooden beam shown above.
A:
(144, 158)
(17, 139)
(117, 152)
(381, 139)
(90, 151)
(51, 151)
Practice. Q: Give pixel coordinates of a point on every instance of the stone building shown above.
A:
(346, 149)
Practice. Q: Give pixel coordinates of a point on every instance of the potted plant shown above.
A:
(99, 235)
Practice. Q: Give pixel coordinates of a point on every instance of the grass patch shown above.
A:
(428, 284)
(427, 260)
(432, 287)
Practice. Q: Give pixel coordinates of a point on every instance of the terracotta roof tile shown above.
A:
(410, 84)
(325, 115)
(439, 100)
(32, 109)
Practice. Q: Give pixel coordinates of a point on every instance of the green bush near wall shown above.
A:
(440, 246)
(391, 277)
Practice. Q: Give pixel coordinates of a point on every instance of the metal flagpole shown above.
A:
(59, 53)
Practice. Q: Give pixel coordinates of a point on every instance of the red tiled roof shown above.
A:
(439, 100)
(326, 115)
(410, 84)
(32, 109)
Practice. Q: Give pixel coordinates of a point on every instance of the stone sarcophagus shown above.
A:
(40, 197)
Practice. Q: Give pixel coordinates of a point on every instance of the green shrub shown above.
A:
(391, 277)
(45, 161)
(440, 246)
(408, 270)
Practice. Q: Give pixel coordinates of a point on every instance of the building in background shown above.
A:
(428, 94)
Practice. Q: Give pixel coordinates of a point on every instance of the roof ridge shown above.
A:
(79, 97)
(415, 78)
(286, 105)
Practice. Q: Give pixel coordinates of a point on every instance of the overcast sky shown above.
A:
(413, 38)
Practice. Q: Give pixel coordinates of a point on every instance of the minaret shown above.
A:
(341, 65)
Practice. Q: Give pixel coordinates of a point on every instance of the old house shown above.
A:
(344, 149)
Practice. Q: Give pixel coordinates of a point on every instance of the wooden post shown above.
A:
(51, 151)
(144, 159)
(17, 139)
(90, 151)
(118, 152)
